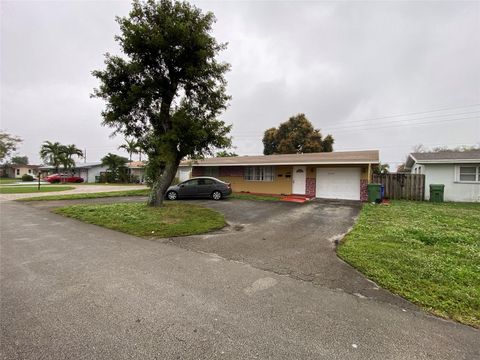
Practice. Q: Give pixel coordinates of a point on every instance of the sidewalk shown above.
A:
(79, 189)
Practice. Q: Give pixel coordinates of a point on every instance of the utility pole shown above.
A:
(85, 155)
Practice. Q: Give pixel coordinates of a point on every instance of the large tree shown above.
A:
(168, 88)
(296, 136)
(8, 144)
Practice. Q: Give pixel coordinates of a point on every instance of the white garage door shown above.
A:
(338, 183)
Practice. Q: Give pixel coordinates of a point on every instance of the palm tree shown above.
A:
(51, 153)
(114, 163)
(72, 150)
(132, 147)
(66, 161)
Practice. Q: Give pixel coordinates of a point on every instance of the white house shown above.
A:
(459, 171)
(88, 171)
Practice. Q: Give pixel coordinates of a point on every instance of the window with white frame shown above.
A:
(259, 173)
(469, 173)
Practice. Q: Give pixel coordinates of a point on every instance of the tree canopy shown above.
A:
(8, 144)
(381, 169)
(131, 146)
(56, 154)
(19, 160)
(116, 166)
(296, 136)
(226, 153)
(168, 89)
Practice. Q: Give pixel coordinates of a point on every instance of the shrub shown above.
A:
(27, 177)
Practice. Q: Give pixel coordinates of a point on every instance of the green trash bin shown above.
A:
(436, 192)
(374, 192)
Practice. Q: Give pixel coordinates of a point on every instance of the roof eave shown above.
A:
(360, 162)
(448, 161)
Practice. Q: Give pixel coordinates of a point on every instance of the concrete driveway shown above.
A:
(71, 290)
(290, 239)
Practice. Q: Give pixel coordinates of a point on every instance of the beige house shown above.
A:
(16, 171)
(334, 175)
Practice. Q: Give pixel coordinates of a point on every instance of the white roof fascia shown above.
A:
(449, 161)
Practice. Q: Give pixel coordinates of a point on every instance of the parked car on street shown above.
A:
(56, 178)
(199, 187)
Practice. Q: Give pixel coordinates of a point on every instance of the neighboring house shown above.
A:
(137, 170)
(90, 171)
(16, 171)
(459, 171)
(331, 175)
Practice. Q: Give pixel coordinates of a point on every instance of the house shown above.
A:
(459, 171)
(333, 175)
(89, 171)
(16, 171)
(136, 170)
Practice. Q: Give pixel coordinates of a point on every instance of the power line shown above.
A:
(345, 124)
(369, 127)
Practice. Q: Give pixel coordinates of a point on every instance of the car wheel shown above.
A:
(216, 195)
(172, 195)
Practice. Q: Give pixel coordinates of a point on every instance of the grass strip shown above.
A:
(428, 253)
(141, 192)
(32, 189)
(172, 219)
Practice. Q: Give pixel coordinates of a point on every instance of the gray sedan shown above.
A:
(199, 187)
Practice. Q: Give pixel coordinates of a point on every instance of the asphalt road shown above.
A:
(70, 290)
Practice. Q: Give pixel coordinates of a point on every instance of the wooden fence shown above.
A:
(402, 186)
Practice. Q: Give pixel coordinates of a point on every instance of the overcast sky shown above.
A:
(375, 75)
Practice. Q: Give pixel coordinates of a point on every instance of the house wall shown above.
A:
(92, 173)
(139, 173)
(12, 172)
(454, 191)
(282, 183)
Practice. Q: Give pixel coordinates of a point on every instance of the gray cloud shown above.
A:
(340, 63)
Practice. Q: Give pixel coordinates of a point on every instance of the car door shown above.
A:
(188, 188)
(205, 187)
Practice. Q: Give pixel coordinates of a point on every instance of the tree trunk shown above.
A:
(162, 183)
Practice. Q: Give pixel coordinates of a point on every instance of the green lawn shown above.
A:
(173, 219)
(32, 189)
(8, 181)
(246, 196)
(142, 192)
(428, 253)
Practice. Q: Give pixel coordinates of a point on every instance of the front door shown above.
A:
(299, 180)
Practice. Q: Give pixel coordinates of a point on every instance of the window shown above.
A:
(259, 173)
(18, 171)
(211, 171)
(469, 173)
(193, 182)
